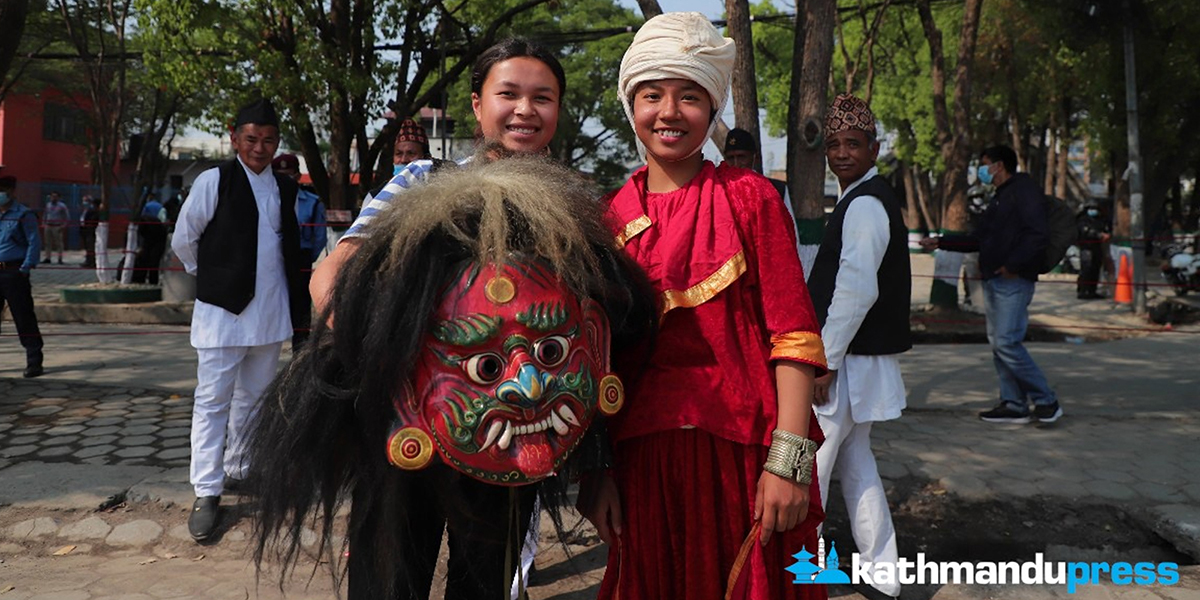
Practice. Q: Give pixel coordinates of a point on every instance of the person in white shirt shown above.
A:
(860, 285)
(237, 232)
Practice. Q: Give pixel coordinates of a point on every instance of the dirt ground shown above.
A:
(927, 518)
(949, 528)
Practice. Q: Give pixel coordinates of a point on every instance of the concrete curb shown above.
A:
(1178, 524)
(147, 313)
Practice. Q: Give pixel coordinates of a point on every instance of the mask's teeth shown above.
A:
(506, 437)
(565, 412)
(492, 434)
(560, 427)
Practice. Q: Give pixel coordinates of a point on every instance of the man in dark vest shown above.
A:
(860, 285)
(237, 232)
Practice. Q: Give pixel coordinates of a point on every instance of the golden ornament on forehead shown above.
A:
(410, 449)
(500, 290)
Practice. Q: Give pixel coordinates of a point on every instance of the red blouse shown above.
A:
(721, 253)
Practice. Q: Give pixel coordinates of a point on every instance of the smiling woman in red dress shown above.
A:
(713, 488)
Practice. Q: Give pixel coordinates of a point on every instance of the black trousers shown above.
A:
(87, 237)
(303, 322)
(476, 517)
(1090, 262)
(154, 244)
(18, 294)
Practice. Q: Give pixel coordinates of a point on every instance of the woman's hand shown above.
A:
(600, 503)
(781, 504)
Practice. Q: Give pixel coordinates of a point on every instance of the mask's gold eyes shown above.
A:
(551, 351)
(484, 368)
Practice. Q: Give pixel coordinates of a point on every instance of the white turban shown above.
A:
(679, 45)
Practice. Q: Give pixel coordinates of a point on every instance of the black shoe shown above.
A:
(1004, 413)
(203, 520)
(1047, 413)
(32, 371)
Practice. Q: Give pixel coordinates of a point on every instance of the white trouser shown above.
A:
(847, 449)
(230, 382)
(528, 551)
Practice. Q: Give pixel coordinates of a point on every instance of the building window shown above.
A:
(62, 123)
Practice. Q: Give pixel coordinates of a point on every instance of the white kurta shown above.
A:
(266, 319)
(872, 383)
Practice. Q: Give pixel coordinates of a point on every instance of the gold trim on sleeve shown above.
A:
(803, 346)
(705, 290)
(632, 228)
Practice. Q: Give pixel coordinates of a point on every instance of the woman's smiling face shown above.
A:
(671, 118)
(518, 104)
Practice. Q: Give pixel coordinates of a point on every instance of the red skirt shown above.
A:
(687, 499)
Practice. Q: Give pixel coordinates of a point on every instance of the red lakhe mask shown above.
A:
(514, 371)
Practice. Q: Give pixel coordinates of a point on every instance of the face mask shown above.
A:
(1093, 212)
(984, 174)
(397, 168)
(4, 198)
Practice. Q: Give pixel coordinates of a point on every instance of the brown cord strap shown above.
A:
(742, 556)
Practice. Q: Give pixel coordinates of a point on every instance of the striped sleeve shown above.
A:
(408, 177)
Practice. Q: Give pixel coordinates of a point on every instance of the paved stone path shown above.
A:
(93, 425)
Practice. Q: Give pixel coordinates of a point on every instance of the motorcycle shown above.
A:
(1181, 269)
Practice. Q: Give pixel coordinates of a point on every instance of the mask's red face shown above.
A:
(514, 371)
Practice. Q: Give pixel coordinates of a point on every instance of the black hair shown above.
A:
(1001, 154)
(515, 48)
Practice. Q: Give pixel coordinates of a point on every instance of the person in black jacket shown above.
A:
(1093, 233)
(1011, 238)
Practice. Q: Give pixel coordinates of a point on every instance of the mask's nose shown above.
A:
(525, 388)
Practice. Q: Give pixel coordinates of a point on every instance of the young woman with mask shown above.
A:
(516, 92)
(516, 89)
(713, 481)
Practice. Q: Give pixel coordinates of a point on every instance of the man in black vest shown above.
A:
(237, 233)
(861, 283)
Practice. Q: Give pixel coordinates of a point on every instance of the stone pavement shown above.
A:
(93, 457)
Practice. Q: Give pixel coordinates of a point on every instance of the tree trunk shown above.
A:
(745, 84)
(953, 135)
(924, 194)
(650, 8)
(13, 14)
(912, 211)
(1194, 202)
(1062, 172)
(1016, 123)
(812, 54)
(1053, 139)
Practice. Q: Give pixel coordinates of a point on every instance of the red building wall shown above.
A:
(26, 155)
(43, 165)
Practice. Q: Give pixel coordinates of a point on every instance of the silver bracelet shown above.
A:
(791, 456)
